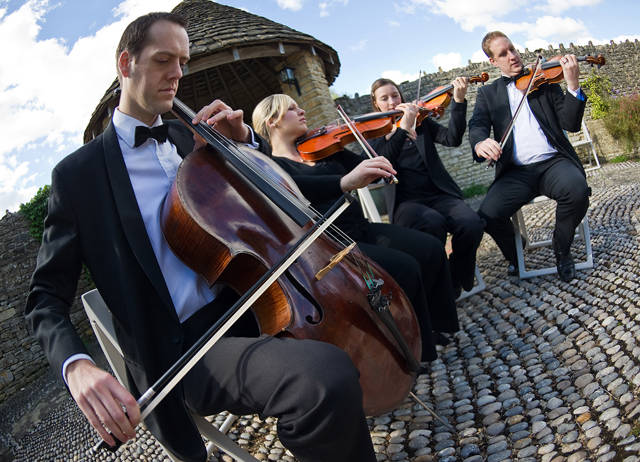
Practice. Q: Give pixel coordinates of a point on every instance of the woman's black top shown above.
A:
(320, 184)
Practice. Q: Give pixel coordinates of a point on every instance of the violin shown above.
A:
(532, 77)
(329, 139)
(550, 72)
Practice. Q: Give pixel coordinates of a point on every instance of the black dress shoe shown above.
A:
(566, 267)
(441, 339)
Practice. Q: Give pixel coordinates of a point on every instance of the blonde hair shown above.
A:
(270, 109)
(486, 41)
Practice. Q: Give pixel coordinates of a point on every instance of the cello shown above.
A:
(230, 222)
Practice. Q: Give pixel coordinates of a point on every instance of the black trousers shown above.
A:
(440, 214)
(312, 388)
(558, 178)
(418, 263)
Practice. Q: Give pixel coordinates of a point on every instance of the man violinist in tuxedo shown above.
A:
(104, 212)
(537, 157)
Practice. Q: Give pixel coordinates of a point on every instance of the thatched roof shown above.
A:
(232, 50)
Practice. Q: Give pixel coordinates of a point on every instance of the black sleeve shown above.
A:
(392, 147)
(54, 282)
(315, 187)
(263, 145)
(453, 133)
(480, 123)
(569, 108)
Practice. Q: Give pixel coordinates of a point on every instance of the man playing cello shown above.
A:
(103, 212)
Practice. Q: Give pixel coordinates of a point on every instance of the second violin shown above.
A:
(329, 139)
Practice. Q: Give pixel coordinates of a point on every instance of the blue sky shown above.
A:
(58, 55)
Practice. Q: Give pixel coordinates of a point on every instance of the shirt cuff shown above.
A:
(579, 94)
(252, 144)
(71, 359)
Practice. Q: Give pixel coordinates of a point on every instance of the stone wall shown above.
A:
(622, 67)
(314, 96)
(21, 358)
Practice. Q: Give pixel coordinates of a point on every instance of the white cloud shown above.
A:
(479, 57)
(399, 76)
(361, 45)
(293, 5)
(468, 13)
(49, 88)
(328, 5)
(393, 23)
(553, 6)
(552, 30)
(447, 61)
(510, 28)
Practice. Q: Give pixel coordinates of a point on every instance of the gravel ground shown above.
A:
(540, 371)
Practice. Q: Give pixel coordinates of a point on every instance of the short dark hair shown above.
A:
(381, 83)
(486, 41)
(134, 37)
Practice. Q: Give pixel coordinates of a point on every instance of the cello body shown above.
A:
(224, 228)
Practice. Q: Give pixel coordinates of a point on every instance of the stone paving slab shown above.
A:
(540, 371)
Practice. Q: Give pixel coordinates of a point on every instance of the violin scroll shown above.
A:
(597, 60)
(482, 78)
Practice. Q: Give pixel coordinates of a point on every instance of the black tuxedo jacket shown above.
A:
(93, 218)
(429, 133)
(554, 110)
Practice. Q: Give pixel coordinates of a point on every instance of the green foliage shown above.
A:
(474, 190)
(619, 159)
(598, 90)
(36, 210)
(623, 121)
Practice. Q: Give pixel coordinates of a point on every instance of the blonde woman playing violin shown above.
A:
(415, 260)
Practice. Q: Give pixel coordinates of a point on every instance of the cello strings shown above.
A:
(251, 164)
(333, 232)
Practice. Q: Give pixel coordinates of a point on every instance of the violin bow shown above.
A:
(504, 138)
(364, 144)
(418, 95)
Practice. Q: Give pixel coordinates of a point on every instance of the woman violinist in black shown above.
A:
(415, 260)
(426, 198)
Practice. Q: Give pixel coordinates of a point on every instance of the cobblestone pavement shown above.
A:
(541, 370)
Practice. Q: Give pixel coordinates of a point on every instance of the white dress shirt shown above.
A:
(152, 168)
(530, 144)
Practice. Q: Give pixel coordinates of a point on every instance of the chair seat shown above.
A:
(520, 229)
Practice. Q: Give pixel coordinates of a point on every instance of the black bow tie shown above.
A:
(507, 80)
(143, 133)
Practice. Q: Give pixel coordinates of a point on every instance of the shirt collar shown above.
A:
(125, 126)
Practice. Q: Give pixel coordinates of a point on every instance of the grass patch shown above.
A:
(474, 190)
(619, 159)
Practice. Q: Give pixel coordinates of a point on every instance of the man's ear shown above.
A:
(124, 63)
